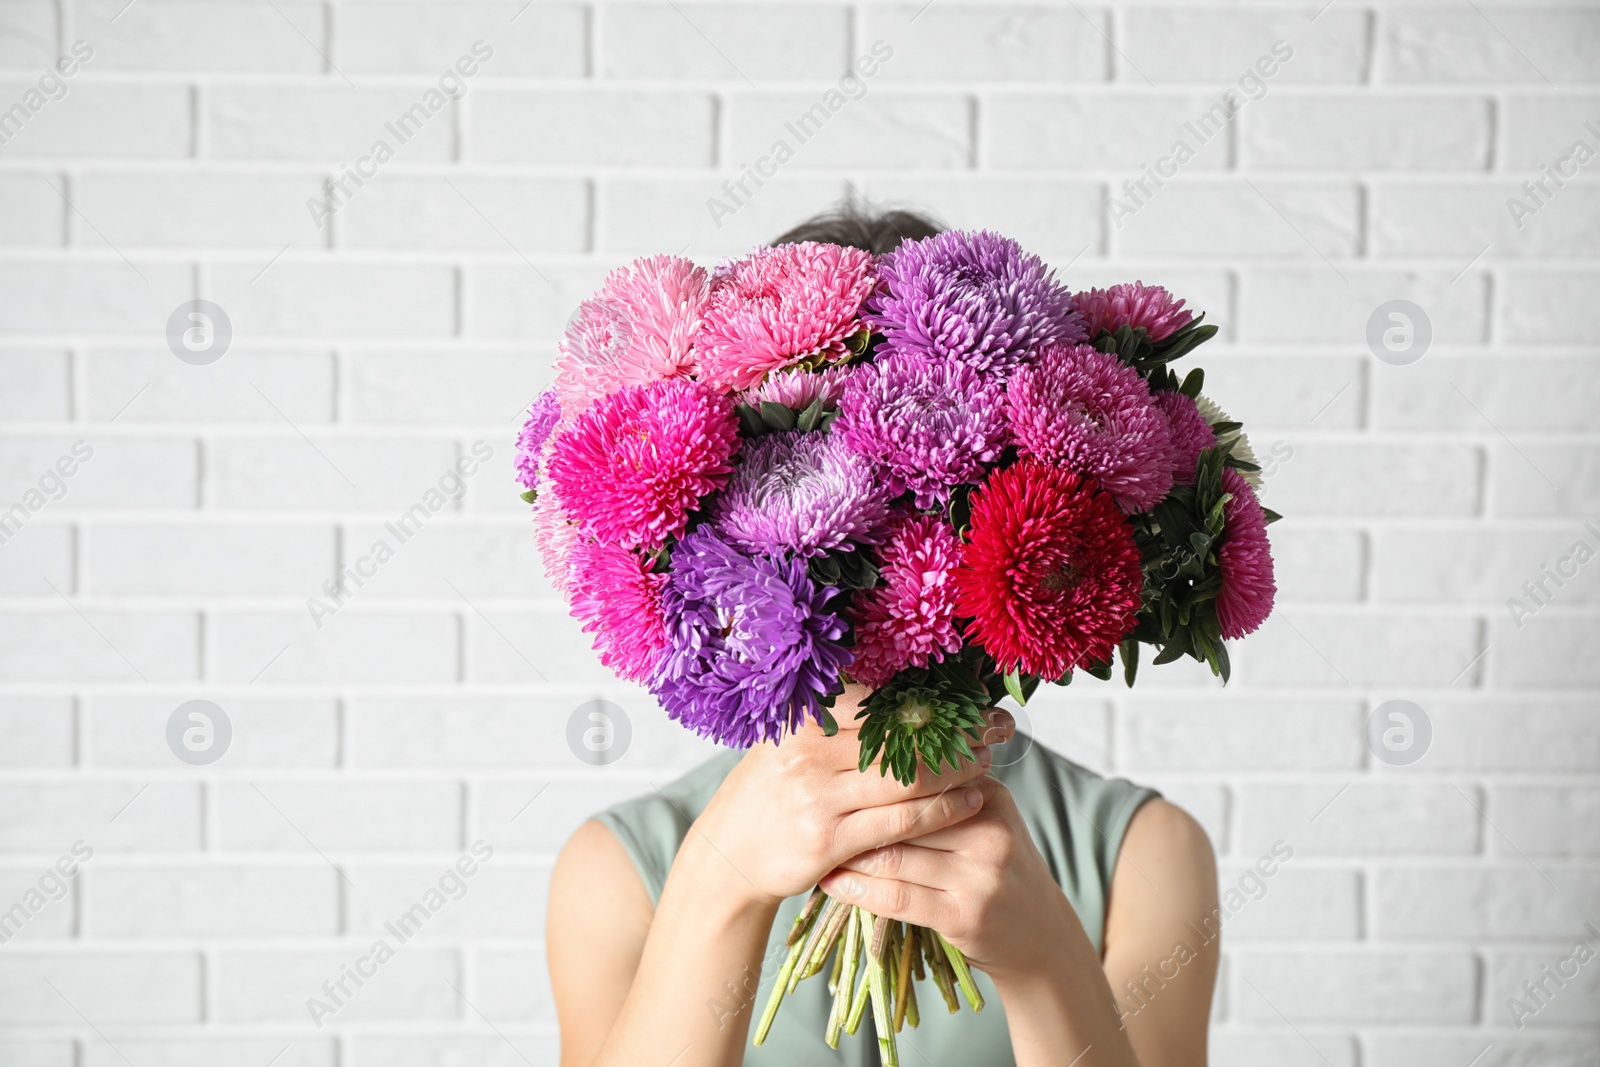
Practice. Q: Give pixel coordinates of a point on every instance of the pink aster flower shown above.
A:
(932, 423)
(554, 536)
(1191, 434)
(636, 462)
(908, 619)
(1248, 589)
(779, 306)
(798, 388)
(1138, 304)
(616, 593)
(636, 329)
(1087, 411)
(806, 493)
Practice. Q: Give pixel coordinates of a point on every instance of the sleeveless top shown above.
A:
(1076, 818)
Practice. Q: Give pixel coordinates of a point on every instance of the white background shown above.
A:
(428, 712)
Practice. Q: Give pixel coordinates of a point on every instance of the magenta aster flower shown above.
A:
(975, 297)
(779, 306)
(616, 593)
(799, 388)
(1089, 412)
(636, 462)
(1189, 431)
(636, 329)
(543, 416)
(932, 423)
(908, 619)
(752, 647)
(1138, 304)
(1248, 588)
(801, 492)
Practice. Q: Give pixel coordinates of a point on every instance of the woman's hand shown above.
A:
(790, 813)
(982, 884)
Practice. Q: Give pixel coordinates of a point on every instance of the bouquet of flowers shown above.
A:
(937, 473)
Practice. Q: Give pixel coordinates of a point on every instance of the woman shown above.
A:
(1087, 906)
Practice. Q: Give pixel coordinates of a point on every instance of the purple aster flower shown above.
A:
(932, 423)
(973, 296)
(752, 648)
(543, 415)
(797, 388)
(801, 492)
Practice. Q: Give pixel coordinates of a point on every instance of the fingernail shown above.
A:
(973, 797)
(846, 888)
(985, 756)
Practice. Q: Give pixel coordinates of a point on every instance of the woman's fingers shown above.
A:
(894, 899)
(906, 862)
(884, 824)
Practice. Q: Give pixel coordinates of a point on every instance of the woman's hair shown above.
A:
(873, 231)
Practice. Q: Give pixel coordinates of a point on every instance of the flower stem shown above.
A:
(958, 963)
(781, 985)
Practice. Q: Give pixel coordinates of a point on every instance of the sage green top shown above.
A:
(1076, 818)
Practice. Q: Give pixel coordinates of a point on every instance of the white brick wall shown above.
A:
(429, 712)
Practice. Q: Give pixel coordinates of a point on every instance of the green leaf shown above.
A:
(1193, 383)
(808, 418)
(1013, 679)
(776, 416)
(830, 725)
(1130, 660)
(529, 495)
(750, 421)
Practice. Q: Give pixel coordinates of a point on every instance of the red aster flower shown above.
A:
(1050, 573)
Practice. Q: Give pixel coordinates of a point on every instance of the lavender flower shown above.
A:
(801, 492)
(543, 415)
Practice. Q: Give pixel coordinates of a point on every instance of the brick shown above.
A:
(59, 645)
(1542, 127)
(1504, 393)
(483, 388)
(48, 297)
(525, 301)
(184, 208)
(1212, 44)
(1465, 565)
(1502, 44)
(725, 41)
(103, 120)
(284, 816)
(1450, 904)
(301, 385)
(1044, 214)
(483, 562)
(39, 214)
(704, 216)
(526, 647)
(1341, 479)
(338, 299)
(1203, 217)
(354, 647)
(302, 1051)
(1168, 734)
(1368, 818)
(1551, 306)
(1296, 905)
(41, 1053)
(1370, 132)
(28, 34)
(1049, 131)
(618, 127)
(213, 900)
(271, 986)
(39, 386)
(1506, 1050)
(1570, 1004)
(1271, 392)
(132, 732)
(1457, 220)
(171, 35)
(1547, 652)
(1209, 804)
(106, 472)
(1297, 647)
(1312, 304)
(523, 215)
(1547, 821)
(539, 816)
(924, 131)
(1534, 733)
(165, 559)
(125, 816)
(1545, 480)
(387, 475)
(1002, 43)
(513, 984)
(1388, 988)
(141, 988)
(37, 732)
(545, 40)
(48, 903)
(36, 556)
(334, 123)
(1318, 566)
(504, 898)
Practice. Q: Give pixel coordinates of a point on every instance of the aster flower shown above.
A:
(1233, 441)
(1245, 558)
(908, 618)
(1050, 575)
(752, 647)
(801, 492)
(1138, 305)
(636, 329)
(1191, 434)
(616, 593)
(555, 534)
(636, 462)
(543, 416)
(975, 297)
(1089, 412)
(780, 306)
(799, 388)
(931, 423)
